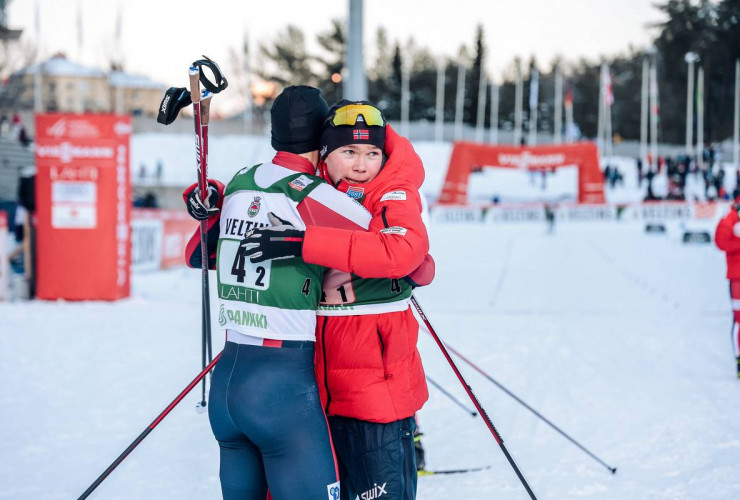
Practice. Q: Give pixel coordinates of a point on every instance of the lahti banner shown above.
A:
(83, 200)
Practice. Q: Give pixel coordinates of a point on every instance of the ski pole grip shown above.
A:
(194, 75)
(205, 107)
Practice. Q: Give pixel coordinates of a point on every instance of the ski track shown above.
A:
(581, 324)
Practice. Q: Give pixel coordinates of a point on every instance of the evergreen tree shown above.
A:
(627, 88)
(423, 86)
(526, 125)
(333, 42)
(289, 60)
(685, 30)
(393, 109)
(585, 80)
(379, 74)
(473, 78)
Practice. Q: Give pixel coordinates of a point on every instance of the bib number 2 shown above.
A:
(241, 272)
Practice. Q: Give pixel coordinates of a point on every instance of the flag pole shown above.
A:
(534, 90)
(644, 112)
(440, 109)
(600, 119)
(558, 118)
(700, 117)
(482, 94)
(654, 116)
(459, 100)
(494, 112)
(518, 104)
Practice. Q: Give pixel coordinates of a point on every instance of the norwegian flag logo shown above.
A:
(361, 135)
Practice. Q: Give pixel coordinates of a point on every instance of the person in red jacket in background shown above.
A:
(367, 365)
(727, 238)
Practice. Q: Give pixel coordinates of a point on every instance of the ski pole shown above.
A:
(175, 99)
(149, 429)
(201, 108)
(474, 399)
(613, 470)
(451, 397)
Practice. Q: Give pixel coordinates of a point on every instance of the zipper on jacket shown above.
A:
(382, 355)
(382, 214)
(326, 368)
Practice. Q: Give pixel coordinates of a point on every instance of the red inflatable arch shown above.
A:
(468, 156)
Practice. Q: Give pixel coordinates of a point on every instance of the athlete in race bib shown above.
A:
(368, 367)
(264, 405)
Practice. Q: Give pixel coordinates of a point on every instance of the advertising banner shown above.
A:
(649, 212)
(83, 200)
(469, 157)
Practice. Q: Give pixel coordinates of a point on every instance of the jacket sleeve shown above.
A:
(394, 246)
(724, 238)
(193, 256)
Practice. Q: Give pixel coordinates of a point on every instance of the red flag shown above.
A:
(569, 95)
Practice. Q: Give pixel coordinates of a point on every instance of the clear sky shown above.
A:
(161, 38)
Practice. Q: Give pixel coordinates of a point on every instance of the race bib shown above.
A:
(236, 269)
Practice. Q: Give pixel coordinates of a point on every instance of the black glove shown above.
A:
(197, 209)
(281, 241)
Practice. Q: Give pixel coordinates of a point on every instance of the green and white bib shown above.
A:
(346, 294)
(273, 299)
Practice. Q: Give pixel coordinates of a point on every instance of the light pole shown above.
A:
(690, 58)
(355, 87)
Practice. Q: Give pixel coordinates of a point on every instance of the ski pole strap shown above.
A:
(173, 101)
(220, 83)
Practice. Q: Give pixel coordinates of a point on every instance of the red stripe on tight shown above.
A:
(272, 343)
(333, 453)
(292, 239)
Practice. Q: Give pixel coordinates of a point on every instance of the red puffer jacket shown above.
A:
(726, 240)
(368, 366)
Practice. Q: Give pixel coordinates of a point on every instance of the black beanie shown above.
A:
(333, 136)
(297, 115)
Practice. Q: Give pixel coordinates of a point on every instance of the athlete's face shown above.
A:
(354, 163)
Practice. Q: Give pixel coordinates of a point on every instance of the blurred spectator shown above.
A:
(18, 131)
(149, 200)
(550, 218)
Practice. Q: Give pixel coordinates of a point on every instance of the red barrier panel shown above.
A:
(160, 237)
(467, 156)
(83, 200)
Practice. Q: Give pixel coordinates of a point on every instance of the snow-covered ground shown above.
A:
(618, 337)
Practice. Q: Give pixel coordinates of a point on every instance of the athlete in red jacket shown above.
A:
(727, 238)
(367, 365)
